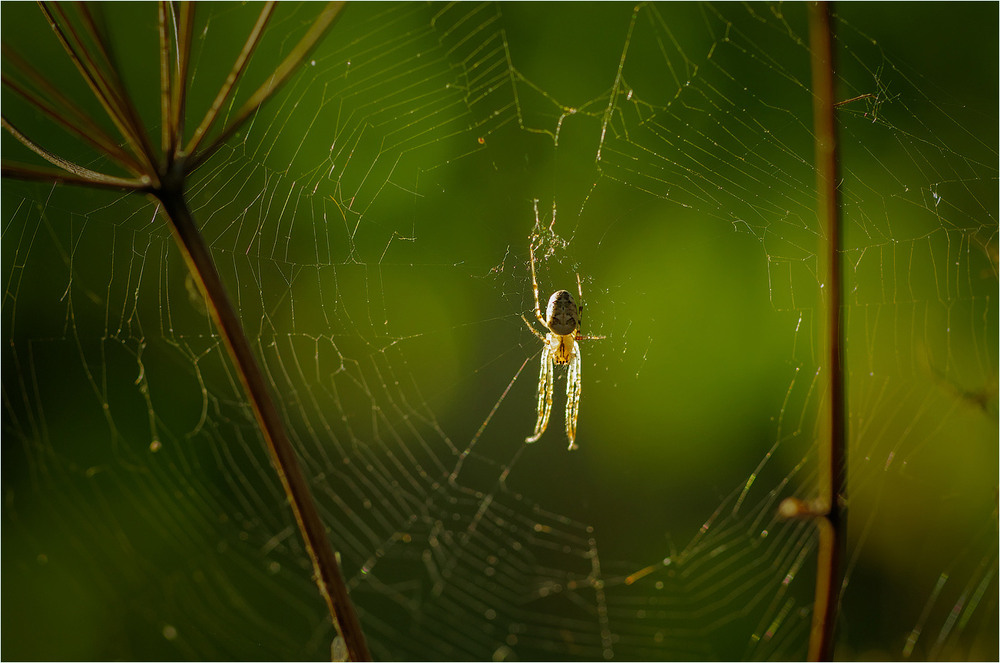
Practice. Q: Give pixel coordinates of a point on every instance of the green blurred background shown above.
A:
(373, 225)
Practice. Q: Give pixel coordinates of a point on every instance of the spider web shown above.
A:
(372, 226)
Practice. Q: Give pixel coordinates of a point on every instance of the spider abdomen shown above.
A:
(562, 316)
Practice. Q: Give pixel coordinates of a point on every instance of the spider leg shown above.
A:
(534, 331)
(534, 279)
(545, 379)
(574, 384)
(579, 315)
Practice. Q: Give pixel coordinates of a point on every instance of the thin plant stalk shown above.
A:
(281, 75)
(84, 174)
(166, 80)
(51, 102)
(59, 176)
(184, 27)
(827, 509)
(832, 524)
(234, 74)
(97, 81)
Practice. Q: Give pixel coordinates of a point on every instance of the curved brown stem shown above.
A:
(78, 172)
(28, 173)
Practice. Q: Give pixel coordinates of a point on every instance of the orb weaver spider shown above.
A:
(562, 322)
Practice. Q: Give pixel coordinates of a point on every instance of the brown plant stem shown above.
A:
(106, 87)
(281, 75)
(178, 92)
(327, 571)
(234, 75)
(830, 518)
(61, 111)
(79, 172)
(163, 33)
(28, 173)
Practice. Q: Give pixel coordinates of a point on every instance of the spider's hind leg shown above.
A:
(545, 380)
(574, 385)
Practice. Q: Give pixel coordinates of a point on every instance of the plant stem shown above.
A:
(327, 571)
(78, 172)
(280, 76)
(61, 111)
(830, 517)
(234, 75)
(108, 91)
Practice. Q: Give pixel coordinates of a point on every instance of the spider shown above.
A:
(562, 320)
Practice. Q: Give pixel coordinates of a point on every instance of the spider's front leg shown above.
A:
(534, 281)
(545, 379)
(534, 331)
